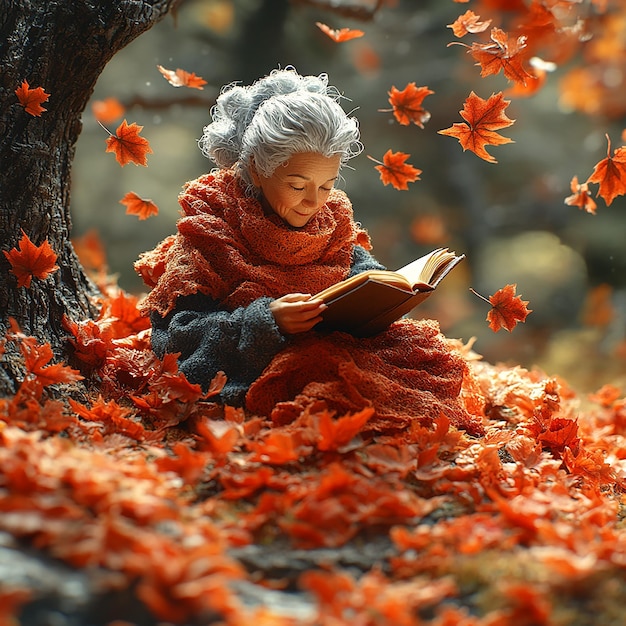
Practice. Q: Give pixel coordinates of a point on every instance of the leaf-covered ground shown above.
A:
(205, 514)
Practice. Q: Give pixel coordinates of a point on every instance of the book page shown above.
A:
(382, 276)
(423, 272)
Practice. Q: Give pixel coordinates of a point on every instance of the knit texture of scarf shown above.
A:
(229, 248)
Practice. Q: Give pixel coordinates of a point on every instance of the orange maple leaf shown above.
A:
(277, 448)
(108, 110)
(501, 54)
(407, 104)
(36, 359)
(610, 174)
(336, 433)
(507, 309)
(469, 22)
(90, 250)
(181, 78)
(32, 99)
(113, 417)
(394, 171)
(28, 261)
(136, 205)
(339, 35)
(128, 146)
(483, 118)
(581, 197)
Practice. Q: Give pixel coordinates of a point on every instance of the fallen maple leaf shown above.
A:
(394, 171)
(108, 110)
(32, 99)
(507, 309)
(483, 118)
(407, 104)
(36, 361)
(28, 261)
(136, 205)
(581, 197)
(181, 78)
(334, 433)
(90, 250)
(339, 35)
(610, 174)
(128, 146)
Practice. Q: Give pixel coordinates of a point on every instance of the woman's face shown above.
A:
(298, 189)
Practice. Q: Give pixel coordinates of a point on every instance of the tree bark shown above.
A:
(62, 46)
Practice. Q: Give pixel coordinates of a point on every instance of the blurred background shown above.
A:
(509, 217)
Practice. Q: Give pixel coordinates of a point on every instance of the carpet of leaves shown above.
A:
(152, 480)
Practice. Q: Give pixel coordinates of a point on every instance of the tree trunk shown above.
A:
(61, 46)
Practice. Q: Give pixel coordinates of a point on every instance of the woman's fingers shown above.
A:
(295, 313)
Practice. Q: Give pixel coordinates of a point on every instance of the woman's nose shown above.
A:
(311, 197)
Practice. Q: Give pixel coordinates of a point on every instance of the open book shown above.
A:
(365, 304)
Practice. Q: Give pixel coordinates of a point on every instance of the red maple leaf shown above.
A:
(113, 417)
(28, 261)
(90, 250)
(501, 54)
(338, 432)
(181, 78)
(407, 104)
(339, 35)
(394, 171)
(32, 99)
(507, 309)
(36, 360)
(277, 448)
(483, 118)
(136, 205)
(581, 197)
(107, 110)
(610, 174)
(469, 22)
(128, 146)
(91, 343)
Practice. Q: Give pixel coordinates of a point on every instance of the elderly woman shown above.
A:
(231, 290)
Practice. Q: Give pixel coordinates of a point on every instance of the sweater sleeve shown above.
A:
(240, 343)
(363, 260)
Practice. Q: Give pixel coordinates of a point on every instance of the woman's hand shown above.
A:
(296, 312)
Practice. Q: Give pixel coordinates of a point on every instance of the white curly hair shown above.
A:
(279, 115)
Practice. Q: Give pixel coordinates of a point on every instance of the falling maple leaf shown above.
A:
(469, 22)
(339, 35)
(128, 146)
(394, 171)
(365, 58)
(407, 104)
(136, 205)
(581, 197)
(181, 78)
(108, 110)
(483, 118)
(610, 174)
(28, 261)
(507, 309)
(501, 54)
(32, 99)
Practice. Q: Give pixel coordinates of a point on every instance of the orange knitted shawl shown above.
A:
(231, 249)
